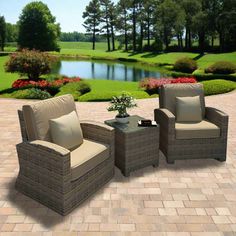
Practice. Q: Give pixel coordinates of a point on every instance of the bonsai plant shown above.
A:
(120, 104)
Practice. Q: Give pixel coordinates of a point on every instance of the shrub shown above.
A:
(31, 93)
(218, 86)
(221, 67)
(185, 65)
(50, 86)
(76, 89)
(152, 85)
(30, 62)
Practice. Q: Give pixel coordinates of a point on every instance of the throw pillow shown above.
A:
(188, 109)
(66, 131)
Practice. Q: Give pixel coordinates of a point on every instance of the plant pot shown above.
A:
(123, 119)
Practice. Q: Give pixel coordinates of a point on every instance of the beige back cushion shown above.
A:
(66, 131)
(188, 109)
(169, 92)
(38, 114)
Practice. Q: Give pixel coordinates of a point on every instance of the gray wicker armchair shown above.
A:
(55, 176)
(193, 140)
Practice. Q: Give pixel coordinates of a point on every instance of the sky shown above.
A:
(67, 12)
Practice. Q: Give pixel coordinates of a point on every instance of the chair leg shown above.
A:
(170, 161)
(220, 159)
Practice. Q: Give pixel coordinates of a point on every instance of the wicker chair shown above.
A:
(197, 143)
(48, 172)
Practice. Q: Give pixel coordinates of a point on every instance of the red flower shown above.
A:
(154, 83)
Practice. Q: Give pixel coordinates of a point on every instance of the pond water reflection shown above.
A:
(106, 70)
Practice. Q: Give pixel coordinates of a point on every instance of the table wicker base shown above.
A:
(135, 147)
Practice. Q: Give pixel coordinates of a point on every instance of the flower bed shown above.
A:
(152, 85)
(25, 83)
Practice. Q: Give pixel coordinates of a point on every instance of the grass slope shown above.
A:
(6, 79)
(103, 90)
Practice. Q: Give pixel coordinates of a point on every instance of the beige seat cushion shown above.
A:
(188, 109)
(88, 155)
(190, 130)
(38, 114)
(169, 92)
(66, 131)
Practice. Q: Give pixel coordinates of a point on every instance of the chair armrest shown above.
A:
(46, 155)
(98, 131)
(218, 118)
(165, 118)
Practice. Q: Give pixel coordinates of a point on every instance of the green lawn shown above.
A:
(104, 90)
(6, 79)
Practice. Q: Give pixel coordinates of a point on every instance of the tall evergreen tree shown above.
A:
(133, 7)
(2, 32)
(106, 20)
(92, 16)
(168, 20)
(149, 9)
(122, 21)
(112, 18)
(191, 8)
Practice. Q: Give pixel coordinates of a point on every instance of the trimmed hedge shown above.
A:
(31, 93)
(202, 77)
(213, 87)
(76, 89)
(222, 68)
(185, 65)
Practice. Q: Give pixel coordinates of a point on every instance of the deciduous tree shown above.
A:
(37, 28)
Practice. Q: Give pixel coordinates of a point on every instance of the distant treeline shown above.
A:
(161, 21)
(78, 37)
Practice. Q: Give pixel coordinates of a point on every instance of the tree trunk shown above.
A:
(181, 42)
(134, 25)
(94, 35)
(113, 38)
(221, 41)
(148, 29)
(189, 40)
(126, 35)
(141, 37)
(201, 41)
(212, 41)
(178, 37)
(166, 40)
(186, 38)
(108, 32)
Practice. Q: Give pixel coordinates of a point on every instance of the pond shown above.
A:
(106, 70)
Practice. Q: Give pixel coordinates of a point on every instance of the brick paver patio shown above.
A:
(189, 198)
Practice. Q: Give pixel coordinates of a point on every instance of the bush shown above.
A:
(76, 89)
(51, 87)
(222, 67)
(218, 86)
(31, 93)
(152, 85)
(185, 65)
(31, 63)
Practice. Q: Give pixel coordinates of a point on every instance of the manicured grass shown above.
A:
(6, 79)
(209, 59)
(104, 90)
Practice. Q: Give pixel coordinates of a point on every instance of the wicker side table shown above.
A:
(135, 147)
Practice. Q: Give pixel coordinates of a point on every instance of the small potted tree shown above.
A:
(120, 104)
